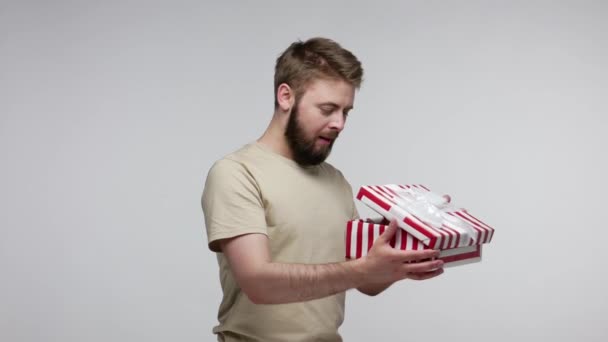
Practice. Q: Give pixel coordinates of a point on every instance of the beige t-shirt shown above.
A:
(304, 212)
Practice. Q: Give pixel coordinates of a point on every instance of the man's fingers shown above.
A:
(425, 275)
(389, 232)
(422, 267)
(414, 256)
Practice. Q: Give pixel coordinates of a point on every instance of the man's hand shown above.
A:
(385, 265)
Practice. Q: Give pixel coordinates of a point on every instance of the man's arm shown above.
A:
(267, 282)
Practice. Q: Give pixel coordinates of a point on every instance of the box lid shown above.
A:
(431, 218)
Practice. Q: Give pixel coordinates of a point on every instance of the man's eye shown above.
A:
(327, 111)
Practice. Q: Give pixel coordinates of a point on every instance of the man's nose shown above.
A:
(338, 121)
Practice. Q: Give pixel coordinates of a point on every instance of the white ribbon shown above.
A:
(433, 209)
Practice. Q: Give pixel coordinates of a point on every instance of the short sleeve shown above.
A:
(231, 202)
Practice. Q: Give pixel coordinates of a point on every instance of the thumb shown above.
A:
(389, 232)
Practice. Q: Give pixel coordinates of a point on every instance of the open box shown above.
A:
(427, 221)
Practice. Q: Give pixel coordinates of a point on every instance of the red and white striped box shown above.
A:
(430, 218)
(360, 236)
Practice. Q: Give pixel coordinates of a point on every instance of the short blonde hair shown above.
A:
(315, 58)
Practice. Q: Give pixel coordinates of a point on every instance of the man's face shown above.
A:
(317, 119)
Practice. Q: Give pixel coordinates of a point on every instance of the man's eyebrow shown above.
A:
(329, 104)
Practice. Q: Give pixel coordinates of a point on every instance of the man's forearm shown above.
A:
(276, 283)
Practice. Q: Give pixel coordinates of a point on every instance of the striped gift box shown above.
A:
(457, 227)
(360, 236)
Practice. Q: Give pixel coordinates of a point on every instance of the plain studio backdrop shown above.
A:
(113, 112)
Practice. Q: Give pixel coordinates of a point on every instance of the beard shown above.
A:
(303, 147)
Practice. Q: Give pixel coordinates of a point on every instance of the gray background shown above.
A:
(112, 113)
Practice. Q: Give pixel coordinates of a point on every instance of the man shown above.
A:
(276, 212)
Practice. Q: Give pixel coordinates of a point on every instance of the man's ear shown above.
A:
(285, 97)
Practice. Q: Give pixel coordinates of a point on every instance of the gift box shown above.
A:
(427, 221)
(360, 236)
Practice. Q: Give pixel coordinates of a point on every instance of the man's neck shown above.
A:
(274, 138)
